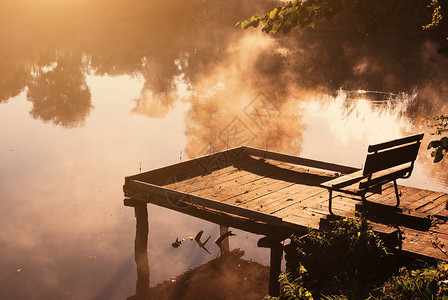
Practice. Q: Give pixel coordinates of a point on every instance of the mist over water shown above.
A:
(93, 91)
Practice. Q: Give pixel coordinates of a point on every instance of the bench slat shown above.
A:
(344, 180)
(390, 158)
(350, 182)
(390, 144)
(385, 176)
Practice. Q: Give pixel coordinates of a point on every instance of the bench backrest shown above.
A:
(389, 155)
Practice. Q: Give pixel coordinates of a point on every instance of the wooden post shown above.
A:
(275, 268)
(274, 243)
(141, 251)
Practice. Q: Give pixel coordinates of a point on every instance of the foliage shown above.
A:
(426, 283)
(342, 263)
(369, 15)
(350, 262)
(346, 256)
(440, 146)
(436, 15)
(293, 288)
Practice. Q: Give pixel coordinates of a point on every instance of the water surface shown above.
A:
(89, 95)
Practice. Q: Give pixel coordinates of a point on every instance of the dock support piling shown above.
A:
(274, 243)
(275, 268)
(141, 248)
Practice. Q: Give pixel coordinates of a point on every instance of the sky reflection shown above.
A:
(62, 219)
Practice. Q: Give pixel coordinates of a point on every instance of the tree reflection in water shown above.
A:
(59, 92)
(120, 38)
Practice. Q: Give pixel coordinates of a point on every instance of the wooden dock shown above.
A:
(276, 194)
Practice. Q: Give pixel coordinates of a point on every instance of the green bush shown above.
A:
(344, 262)
(350, 262)
(424, 283)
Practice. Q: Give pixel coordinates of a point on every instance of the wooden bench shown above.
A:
(385, 162)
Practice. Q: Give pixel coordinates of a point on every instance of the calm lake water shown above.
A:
(91, 93)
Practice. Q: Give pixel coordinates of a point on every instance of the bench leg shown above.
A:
(364, 205)
(330, 192)
(397, 194)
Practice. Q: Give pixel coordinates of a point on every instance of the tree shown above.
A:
(440, 146)
(367, 15)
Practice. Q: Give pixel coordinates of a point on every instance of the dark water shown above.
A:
(91, 92)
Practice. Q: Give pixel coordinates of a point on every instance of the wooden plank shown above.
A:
(387, 196)
(172, 195)
(239, 193)
(387, 190)
(396, 142)
(291, 169)
(340, 206)
(438, 206)
(267, 168)
(195, 167)
(248, 198)
(217, 217)
(301, 221)
(272, 206)
(198, 182)
(228, 182)
(394, 215)
(297, 180)
(244, 185)
(309, 197)
(313, 214)
(391, 199)
(410, 201)
(289, 194)
(384, 176)
(304, 198)
(442, 213)
(424, 201)
(244, 166)
(344, 180)
(315, 202)
(440, 227)
(310, 212)
(416, 242)
(280, 192)
(211, 181)
(300, 161)
(243, 193)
